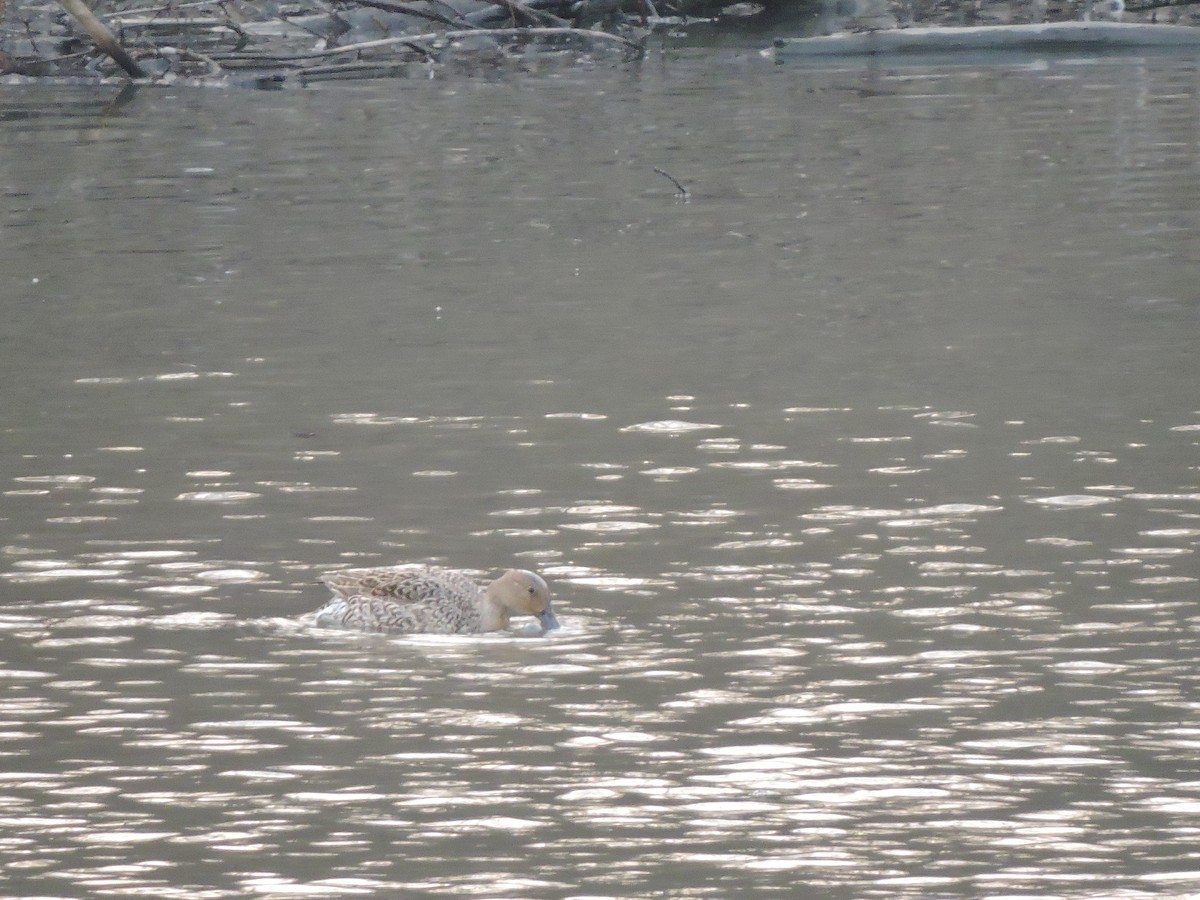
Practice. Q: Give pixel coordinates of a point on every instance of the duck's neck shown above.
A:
(493, 616)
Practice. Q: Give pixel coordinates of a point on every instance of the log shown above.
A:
(103, 37)
(1058, 36)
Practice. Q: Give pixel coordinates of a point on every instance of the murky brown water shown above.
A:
(867, 479)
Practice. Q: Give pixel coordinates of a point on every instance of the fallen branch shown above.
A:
(508, 33)
(1053, 37)
(418, 42)
(352, 70)
(183, 53)
(413, 42)
(173, 8)
(103, 37)
(532, 15)
(409, 10)
(1137, 6)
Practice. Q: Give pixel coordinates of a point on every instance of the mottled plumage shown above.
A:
(411, 599)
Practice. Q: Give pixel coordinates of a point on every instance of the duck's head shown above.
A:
(522, 592)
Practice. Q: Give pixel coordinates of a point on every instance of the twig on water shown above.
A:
(684, 194)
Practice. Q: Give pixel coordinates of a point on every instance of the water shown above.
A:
(867, 480)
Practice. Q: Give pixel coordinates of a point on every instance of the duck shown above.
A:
(421, 599)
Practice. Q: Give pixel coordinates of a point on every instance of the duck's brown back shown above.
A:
(403, 599)
(405, 584)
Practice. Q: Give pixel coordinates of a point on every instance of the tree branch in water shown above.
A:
(103, 37)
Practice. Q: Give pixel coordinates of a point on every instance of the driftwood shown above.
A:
(425, 45)
(1058, 37)
(409, 9)
(532, 15)
(104, 38)
(429, 46)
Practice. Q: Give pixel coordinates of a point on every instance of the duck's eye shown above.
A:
(531, 590)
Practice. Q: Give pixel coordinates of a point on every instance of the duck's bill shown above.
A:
(548, 620)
